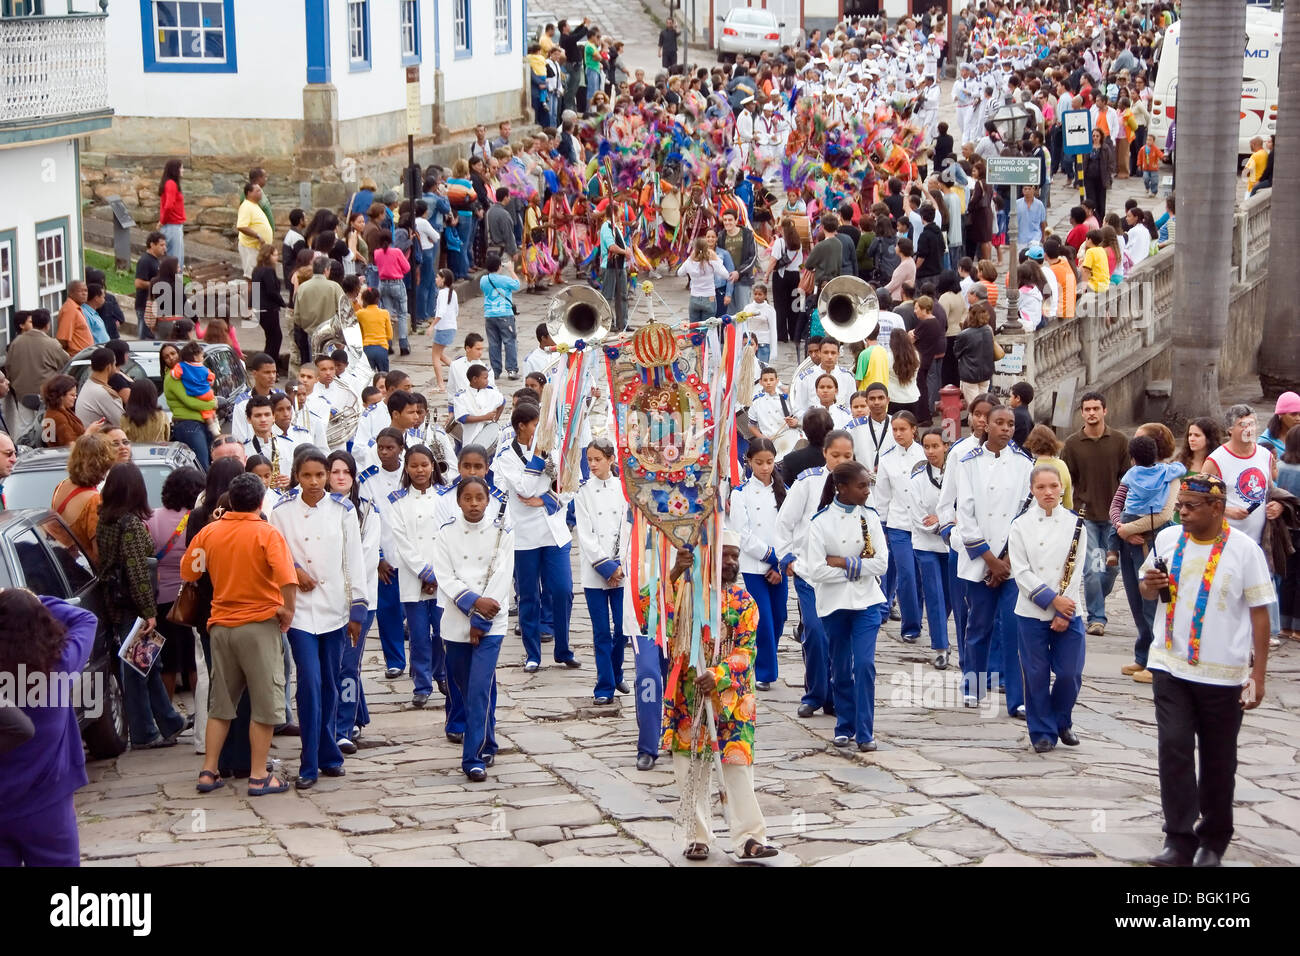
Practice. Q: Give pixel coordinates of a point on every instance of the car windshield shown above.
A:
(752, 18)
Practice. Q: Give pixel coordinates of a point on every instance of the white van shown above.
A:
(1259, 84)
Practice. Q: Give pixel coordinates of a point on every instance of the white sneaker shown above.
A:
(970, 700)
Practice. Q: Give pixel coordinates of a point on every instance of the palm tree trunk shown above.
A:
(1213, 36)
(1279, 361)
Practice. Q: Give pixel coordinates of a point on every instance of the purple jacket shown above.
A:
(51, 765)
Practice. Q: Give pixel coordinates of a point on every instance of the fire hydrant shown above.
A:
(950, 406)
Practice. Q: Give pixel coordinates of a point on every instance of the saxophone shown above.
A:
(867, 550)
(275, 458)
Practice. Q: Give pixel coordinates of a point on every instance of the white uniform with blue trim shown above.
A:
(802, 501)
(449, 510)
(269, 447)
(836, 531)
(924, 500)
(890, 496)
(991, 490)
(604, 532)
(478, 401)
(1037, 549)
(473, 561)
(871, 439)
(754, 517)
(413, 527)
(522, 477)
(325, 541)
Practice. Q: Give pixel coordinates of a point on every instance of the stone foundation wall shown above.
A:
(127, 161)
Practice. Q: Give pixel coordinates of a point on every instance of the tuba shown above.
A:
(343, 332)
(579, 313)
(848, 308)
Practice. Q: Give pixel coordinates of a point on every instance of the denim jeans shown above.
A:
(613, 286)
(602, 605)
(425, 291)
(175, 233)
(392, 297)
(741, 295)
(1151, 180)
(149, 711)
(501, 334)
(377, 356)
(763, 353)
(549, 564)
(594, 86)
(772, 600)
(428, 656)
(851, 637)
(318, 657)
(1097, 578)
(352, 698)
(1131, 557)
(196, 435)
(701, 308)
(472, 672)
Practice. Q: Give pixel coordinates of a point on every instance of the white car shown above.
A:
(748, 30)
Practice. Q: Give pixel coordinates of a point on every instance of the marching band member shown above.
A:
(378, 482)
(309, 412)
(403, 415)
(805, 388)
(802, 501)
(282, 410)
(473, 557)
(326, 397)
(278, 450)
(542, 540)
(262, 375)
(930, 549)
(376, 417)
(846, 557)
(977, 416)
(992, 489)
(478, 407)
(325, 541)
(874, 434)
(771, 417)
(475, 349)
(828, 389)
(1047, 566)
(353, 713)
(604, 542)
(429, 433)
(755, 505)
(413, 528)
(891, 501)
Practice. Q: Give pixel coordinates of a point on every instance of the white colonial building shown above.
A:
(314, 91)
(53, 90)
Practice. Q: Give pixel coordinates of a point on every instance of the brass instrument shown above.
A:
(342, 331)
(579, 313)
(867, 550)
(848, 308)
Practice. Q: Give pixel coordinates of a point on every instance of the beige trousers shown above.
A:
(970, 389)
(742, 806)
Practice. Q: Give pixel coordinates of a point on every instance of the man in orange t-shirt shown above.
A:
(73, 331)
(254, 590)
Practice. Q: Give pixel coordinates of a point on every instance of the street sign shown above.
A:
(1076, 132)
(412, 101)
(1013, 170)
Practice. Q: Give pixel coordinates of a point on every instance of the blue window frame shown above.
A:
(8, 285)
(188, 36)
(501, 25)
(462, 34)
(408, 16)
(358, 35)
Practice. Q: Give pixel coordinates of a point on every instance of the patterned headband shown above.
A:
(1205, 485)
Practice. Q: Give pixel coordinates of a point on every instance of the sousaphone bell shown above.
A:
(848, 308)
(579, 313)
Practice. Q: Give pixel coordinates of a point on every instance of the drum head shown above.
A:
(670, 207)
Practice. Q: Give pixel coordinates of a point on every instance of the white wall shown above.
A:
(41, 182)
(381, 88)
(271, 53)
(486, 71)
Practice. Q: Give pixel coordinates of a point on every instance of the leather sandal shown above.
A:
(214, 781)
(697, 852)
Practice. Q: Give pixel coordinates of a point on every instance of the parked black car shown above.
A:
(38, 552)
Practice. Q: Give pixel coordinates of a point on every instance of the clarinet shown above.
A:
(867, 550)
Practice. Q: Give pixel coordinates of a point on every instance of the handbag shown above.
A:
(185, 609)
(998, 352)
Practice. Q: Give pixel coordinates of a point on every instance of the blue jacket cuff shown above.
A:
(945, 530)
(772, 559)
(606, 568)
(536, 465)
(478, 622)
(551, 503)
(976, 550)
(1043, 596)
(785, 562)
(427, 575)
(358, 612)
(461, 418)
(465, 600)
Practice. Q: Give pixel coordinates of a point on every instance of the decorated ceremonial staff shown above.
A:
(1214, 588)
(1047, 567)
